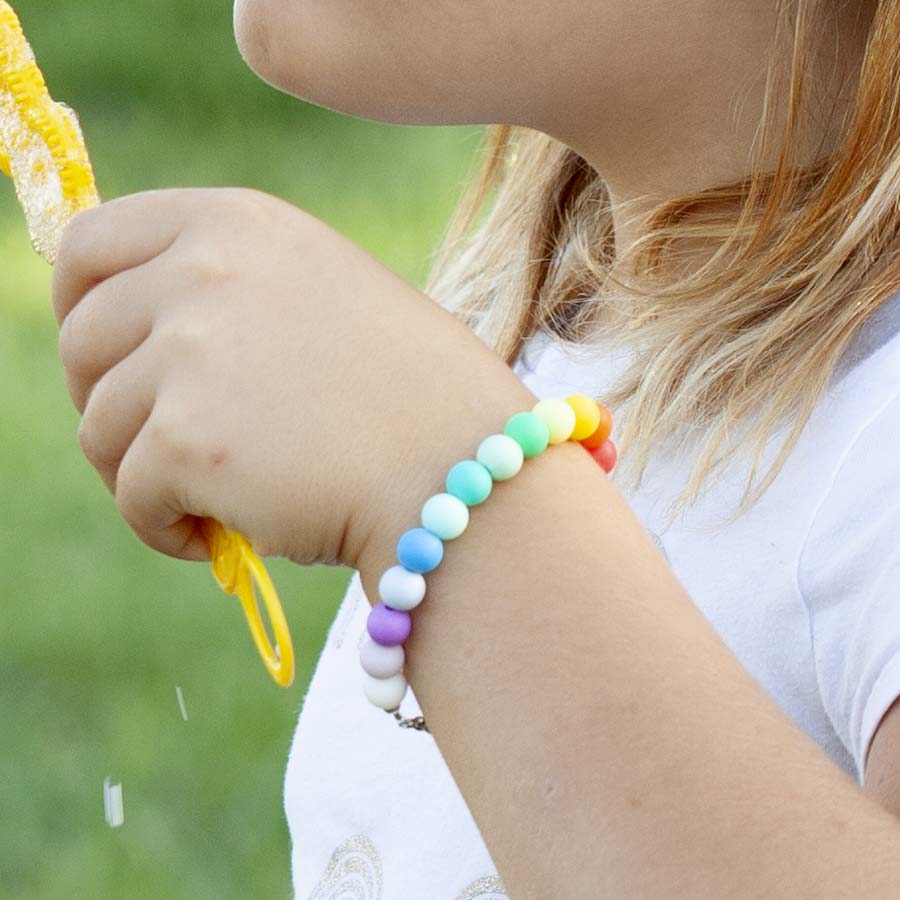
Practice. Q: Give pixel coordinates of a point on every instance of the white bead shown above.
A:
(445, 515)
(401, 589)
(380, 661)
(385, 692)
(501, 455)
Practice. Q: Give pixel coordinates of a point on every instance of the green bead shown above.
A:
(470, 481)
(531, 432)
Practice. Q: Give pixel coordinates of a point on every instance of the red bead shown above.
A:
(605, 455)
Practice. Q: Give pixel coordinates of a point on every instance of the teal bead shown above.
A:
(470, 481)
(445, 515)
(530, 432)
(501, 456)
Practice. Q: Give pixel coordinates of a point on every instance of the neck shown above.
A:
(658, 140)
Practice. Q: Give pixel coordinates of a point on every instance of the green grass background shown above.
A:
(97, 629)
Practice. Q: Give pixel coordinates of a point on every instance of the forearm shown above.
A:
(606, 741)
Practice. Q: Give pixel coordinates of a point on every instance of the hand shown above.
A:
(235, 357)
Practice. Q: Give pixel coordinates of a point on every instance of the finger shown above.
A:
(119, 405)
(146, 498)
(111, 322)
(107, 239)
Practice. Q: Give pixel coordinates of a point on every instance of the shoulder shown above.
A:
(848, 566)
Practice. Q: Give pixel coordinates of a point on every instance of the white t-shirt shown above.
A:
(803, 589)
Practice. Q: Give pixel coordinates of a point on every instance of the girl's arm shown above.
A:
(606, 741)
(234, 357)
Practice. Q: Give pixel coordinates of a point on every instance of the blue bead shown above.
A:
(419, 550)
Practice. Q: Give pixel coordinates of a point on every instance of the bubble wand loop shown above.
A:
(42, 149)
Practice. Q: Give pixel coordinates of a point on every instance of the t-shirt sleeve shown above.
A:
(848, 573)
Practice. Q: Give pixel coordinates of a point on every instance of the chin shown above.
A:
(325, 61)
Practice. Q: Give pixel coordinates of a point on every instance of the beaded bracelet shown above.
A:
(445, 516)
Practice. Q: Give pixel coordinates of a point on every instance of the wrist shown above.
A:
(419, 464)
(539, 489)
(420, 471)
(546, 488)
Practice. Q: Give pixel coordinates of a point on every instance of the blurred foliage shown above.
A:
(98, 629)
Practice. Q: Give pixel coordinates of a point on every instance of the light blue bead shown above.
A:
(501, 456)
(445, 515)
(419, 550)
(470, 481)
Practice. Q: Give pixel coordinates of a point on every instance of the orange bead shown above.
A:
(605, 455)
(603, 430)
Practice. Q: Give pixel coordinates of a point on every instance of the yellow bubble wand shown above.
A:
(43, 150)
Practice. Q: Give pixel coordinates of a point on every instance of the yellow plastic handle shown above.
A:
(238, 570)
(42, 147)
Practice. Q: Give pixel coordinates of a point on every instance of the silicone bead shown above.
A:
(381, 661)
(388, 626)
(559, 416)
(470, 481)
(606, 455)
(445, 515)
(419, 550)
(531, 432)
(401, 589)
(387, 693)
(587, 415)
(501, 456)
(603, 430)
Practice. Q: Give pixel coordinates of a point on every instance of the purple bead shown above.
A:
(388, 626)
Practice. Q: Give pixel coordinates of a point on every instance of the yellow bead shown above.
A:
(587, 415)
(559, 416)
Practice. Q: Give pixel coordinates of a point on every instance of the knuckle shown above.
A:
(86, 439)
(69, 346)
(241, 206)
(170, 437)
(73, 248)
(243, 196)
(206, 266)
(58, 283)
(126, 496)
(75, 337)
(90, 442)
(75, 237)
(91, 428)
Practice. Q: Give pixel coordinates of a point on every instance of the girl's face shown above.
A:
(548, 65)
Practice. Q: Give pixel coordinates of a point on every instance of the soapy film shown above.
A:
(41, 143)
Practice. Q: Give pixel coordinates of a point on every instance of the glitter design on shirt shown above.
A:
(355, 872)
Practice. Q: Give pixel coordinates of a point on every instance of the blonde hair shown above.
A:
(752, 335)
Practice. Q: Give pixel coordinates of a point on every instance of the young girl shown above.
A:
(630, 687)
